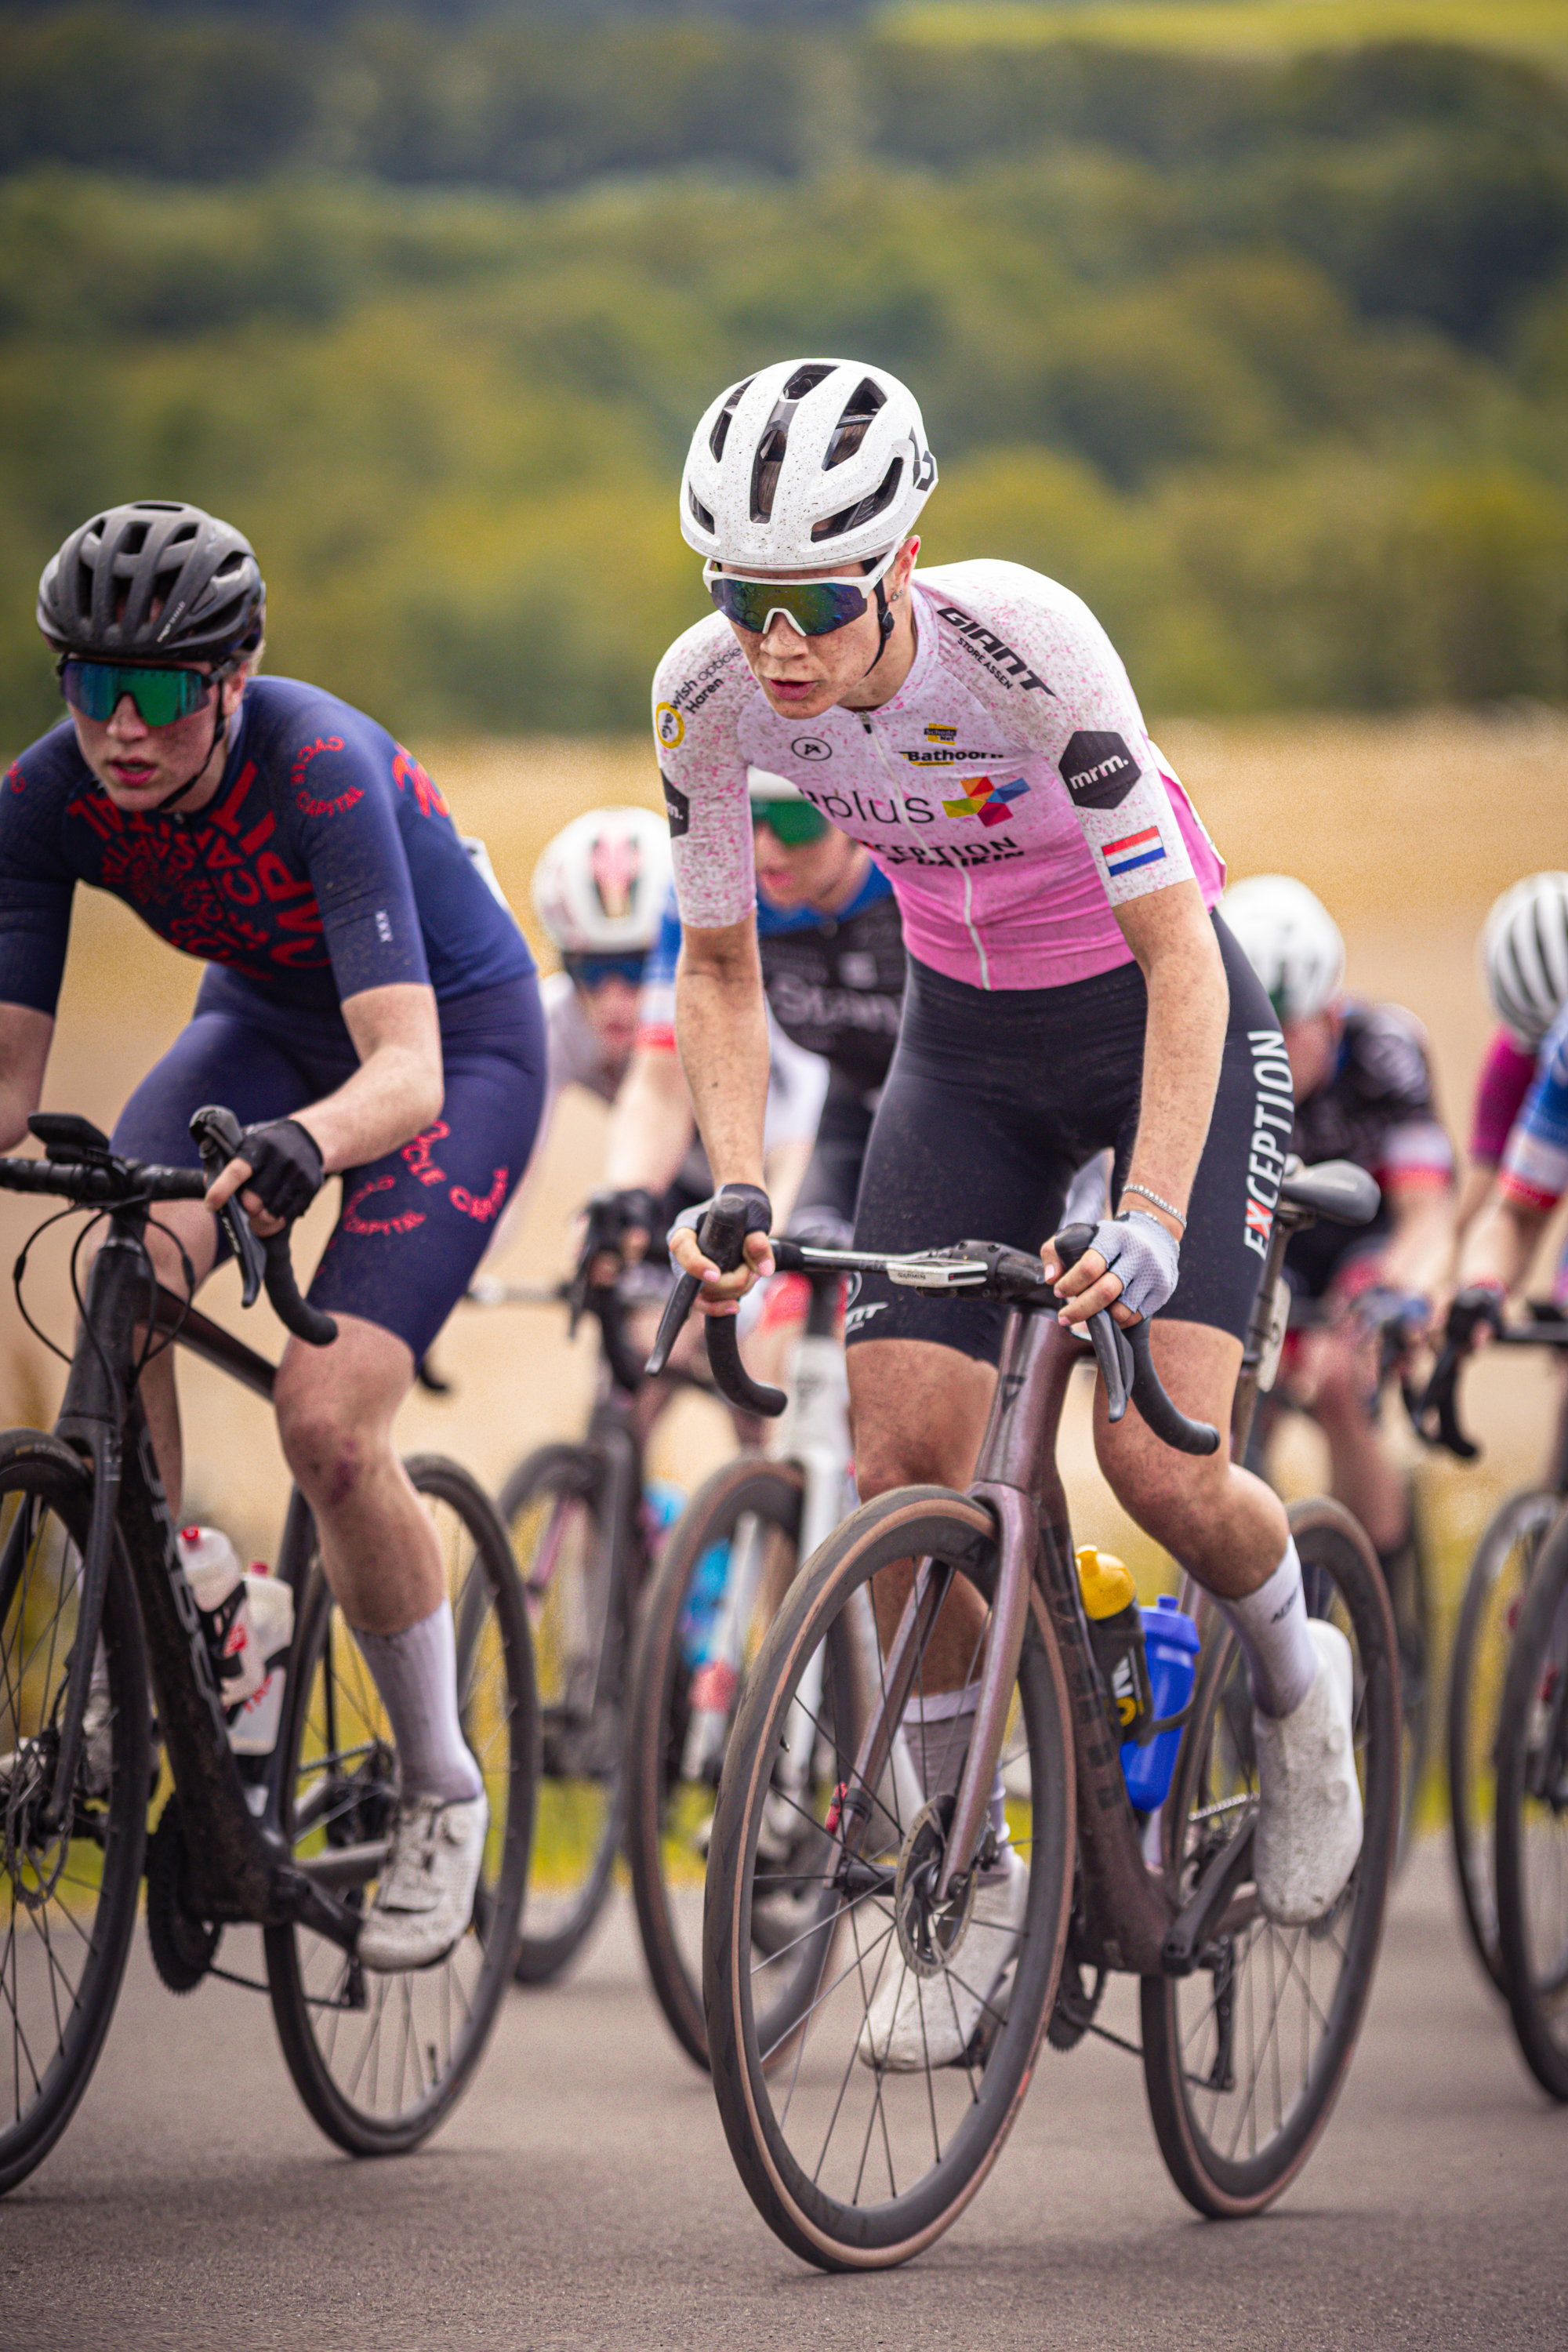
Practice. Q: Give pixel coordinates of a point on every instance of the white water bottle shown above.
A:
(248, 1620)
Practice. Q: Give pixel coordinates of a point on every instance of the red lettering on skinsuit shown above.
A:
(406, 770)
(355, 1223)
(417, 1154)
(490, 1206)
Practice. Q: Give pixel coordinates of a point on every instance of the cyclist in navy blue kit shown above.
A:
(369, 1011)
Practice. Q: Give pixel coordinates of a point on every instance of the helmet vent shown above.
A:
(852, 517)
(135, 538)
(721, 423)
(850, 430)
(699, 511)
(769, 461)
(806, 379)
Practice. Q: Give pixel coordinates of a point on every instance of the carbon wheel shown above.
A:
(574, 1570)
(69, 1899)
(1245, 2058)
(1532, 1821)
(915, 2020)
(381, 2059)
(729, 1562)
(1494, 1594)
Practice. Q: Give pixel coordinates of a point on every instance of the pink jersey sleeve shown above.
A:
(1504, 1082)
(699, 689)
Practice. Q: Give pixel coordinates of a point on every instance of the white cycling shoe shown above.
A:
(919, 2021)
(1308, 1801)
(425, 1897)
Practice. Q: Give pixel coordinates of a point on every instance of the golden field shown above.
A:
(1406, 826)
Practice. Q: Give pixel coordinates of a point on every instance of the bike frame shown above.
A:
(1129, 1916)
(240, 1864)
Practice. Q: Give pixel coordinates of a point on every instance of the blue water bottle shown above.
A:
(1171, 1645)
(703, 1594)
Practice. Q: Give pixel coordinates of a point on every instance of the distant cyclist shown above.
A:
(1067, 991)
(602, 892)
(1519, 1150)
(369, 1011)
(1524, 963)
(1364, 1093)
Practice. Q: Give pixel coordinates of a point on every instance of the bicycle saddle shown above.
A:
(1335, 1189)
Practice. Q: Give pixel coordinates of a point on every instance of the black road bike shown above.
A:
(1247, 2026)
(94, 1605)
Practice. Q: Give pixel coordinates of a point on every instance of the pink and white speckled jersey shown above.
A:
(1009, 790)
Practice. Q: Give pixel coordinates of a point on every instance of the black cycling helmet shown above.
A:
(155, 580)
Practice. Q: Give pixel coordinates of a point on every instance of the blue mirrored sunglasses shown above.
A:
(591, 972)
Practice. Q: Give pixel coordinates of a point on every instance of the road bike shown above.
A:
(584, 1545)
(95, 1606)
(1247, 2027)
(1500, 1575)
(732, 1555)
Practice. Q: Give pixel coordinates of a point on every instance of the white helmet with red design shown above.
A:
(600, 885)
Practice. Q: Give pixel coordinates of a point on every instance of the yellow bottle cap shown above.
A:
(1105, 1581)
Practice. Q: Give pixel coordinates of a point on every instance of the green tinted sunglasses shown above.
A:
(813, 608)
(160, 696)
(795, 823)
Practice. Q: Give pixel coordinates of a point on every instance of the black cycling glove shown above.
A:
(286, 1170)
(759, 1215)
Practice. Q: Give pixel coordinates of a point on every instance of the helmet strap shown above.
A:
(220, 676)
(885, 621)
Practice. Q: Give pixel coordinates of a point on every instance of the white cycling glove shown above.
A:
(1145, 1257)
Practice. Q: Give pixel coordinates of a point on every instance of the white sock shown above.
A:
(416, 1674)
(1271, 1626)
(939, 1730)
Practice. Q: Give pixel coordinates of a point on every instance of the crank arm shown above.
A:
(1194, 1926)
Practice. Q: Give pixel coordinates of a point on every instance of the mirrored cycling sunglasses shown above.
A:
(160, 696)
(591, 972)
(814, 607)
(795, 823)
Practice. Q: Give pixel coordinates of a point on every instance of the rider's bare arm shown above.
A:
(397, 1090)
(1501, 1243)
(720, 1020)
(650, 1124)
(1170, 934)
(1421, 1245)
(25, 1035)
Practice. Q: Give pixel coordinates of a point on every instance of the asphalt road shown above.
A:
(583, 2196)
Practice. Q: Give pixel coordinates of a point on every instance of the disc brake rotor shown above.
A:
(931, 1929)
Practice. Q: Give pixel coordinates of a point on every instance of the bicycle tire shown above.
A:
(46, 1504)
(577, 1834)
(1494, 1591)
(787, 2158)
(447, 2012)
(1410, 1598)
(662, 1812)
(1532, 1820)
(1215, 1782)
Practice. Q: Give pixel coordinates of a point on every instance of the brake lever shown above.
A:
(216, 1133)
(1113, 1354)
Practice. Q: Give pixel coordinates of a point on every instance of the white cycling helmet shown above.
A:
(1290, 938)
(600, 885)
(1524, 954)
(805, 464)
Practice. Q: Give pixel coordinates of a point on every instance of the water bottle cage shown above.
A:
(1143, 1733)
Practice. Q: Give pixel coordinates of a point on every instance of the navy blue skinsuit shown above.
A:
(326, 863)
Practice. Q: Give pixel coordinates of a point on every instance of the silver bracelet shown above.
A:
(1145, 1194)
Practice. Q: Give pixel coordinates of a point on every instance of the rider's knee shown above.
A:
(323, 1438)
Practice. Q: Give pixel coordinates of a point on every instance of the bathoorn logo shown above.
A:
(1098, 770)
(811, 747)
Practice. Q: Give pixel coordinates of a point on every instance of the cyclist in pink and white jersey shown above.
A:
(1069, 990)
(1524, 962)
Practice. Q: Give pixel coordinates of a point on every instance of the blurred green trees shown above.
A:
(1267, 361)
